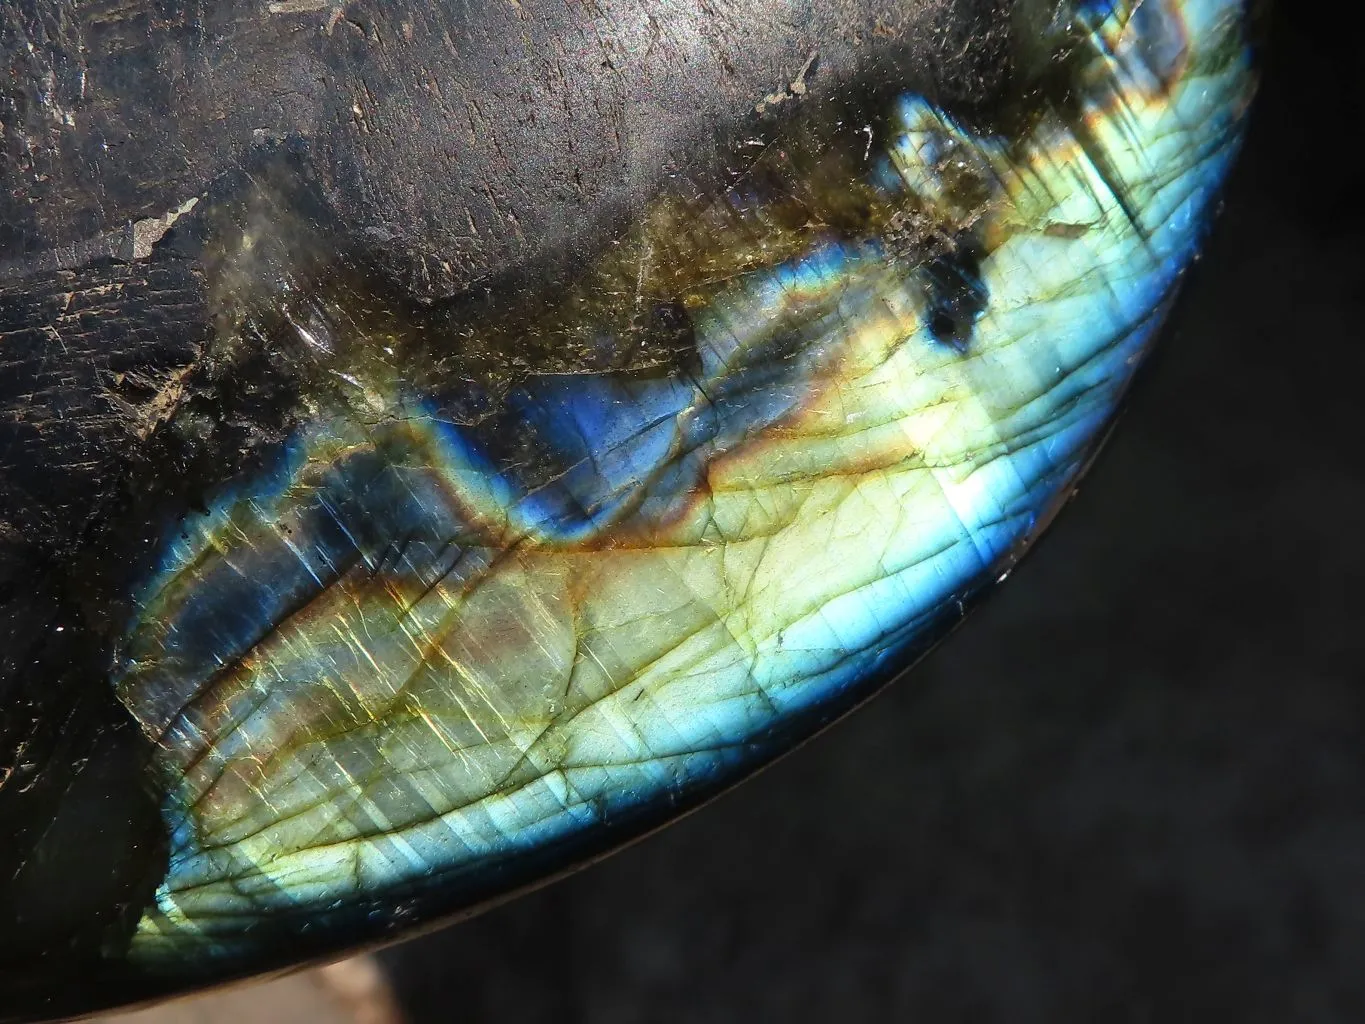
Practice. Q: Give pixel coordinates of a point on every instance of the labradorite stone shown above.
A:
(440, 442)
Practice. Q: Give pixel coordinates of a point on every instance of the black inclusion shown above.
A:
(955, 293)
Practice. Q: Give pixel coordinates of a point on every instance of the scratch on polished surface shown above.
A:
(418, 647)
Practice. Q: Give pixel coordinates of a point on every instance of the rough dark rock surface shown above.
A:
(463, 136)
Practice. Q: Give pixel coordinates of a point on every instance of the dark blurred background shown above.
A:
(1132, 789)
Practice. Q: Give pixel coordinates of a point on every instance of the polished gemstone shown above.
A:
(498, 579)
